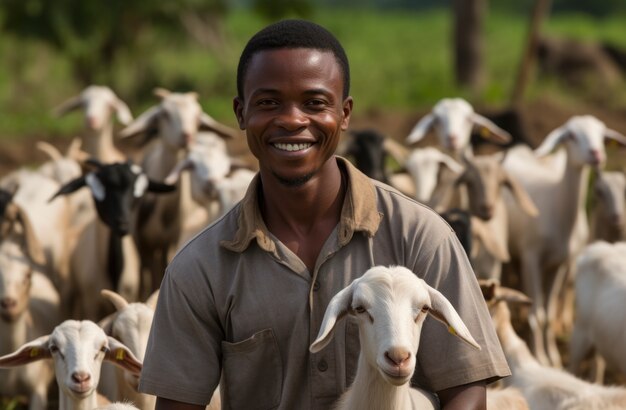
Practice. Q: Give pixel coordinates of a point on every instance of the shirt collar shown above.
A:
(359, 213)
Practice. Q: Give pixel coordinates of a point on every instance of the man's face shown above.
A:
(293, 111)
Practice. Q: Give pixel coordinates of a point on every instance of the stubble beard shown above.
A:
(294, 182)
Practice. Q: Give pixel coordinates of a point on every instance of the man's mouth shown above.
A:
(292, 147)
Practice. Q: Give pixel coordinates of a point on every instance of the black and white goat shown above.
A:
(105, 255)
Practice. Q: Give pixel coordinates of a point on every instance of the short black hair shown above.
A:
(293, 34)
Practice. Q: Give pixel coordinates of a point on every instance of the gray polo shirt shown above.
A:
(238, 307)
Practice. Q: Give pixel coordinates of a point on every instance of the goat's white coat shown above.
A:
(453, 120)
(98, 104)
(600, 299)
(424, 166)
(77, 349)
(544, 245)
(36, 312)
(547, 388)
(397, 301)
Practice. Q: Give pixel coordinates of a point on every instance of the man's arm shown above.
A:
(471, 396)
(166, 404)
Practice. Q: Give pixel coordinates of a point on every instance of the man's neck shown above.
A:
(303, 217)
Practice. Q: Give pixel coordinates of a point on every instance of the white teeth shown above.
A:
(292, 147)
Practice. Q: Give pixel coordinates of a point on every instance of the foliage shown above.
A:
(91, 33)
(401, 62)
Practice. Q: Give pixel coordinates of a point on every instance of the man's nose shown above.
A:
(292, 118)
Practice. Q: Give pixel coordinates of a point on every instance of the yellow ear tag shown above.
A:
(34, 352)
(451, 330)
(484, 132)
(119, 354)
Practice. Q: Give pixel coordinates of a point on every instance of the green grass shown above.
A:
(400, 60)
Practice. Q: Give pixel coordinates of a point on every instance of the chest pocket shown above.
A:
(353, 348)
(252, 372)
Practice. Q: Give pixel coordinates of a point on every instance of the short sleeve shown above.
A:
(182, 360)
(445, 361)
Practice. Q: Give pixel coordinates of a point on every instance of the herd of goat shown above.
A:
(87, 235)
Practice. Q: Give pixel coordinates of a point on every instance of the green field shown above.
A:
(401, 61)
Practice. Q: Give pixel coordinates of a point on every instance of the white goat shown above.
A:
(607, 220)
(175, 122)
(214, 175)
(98, 103)
(426, 166)
(543, 246)
(120, 406)
(545, 388)
(130, 325)
(390, 305)
(29, 308)
(453, 120)
(50, 223)
(600, 294)
(77, 349)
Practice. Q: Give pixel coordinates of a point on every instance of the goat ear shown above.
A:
(512, 296)
(173, 177)
(121, 356)
(395, 150)
(70, 187)
(481, 232)
(207, 123)
(68, 105)
(145, 123)
(489, 288)
(160, 188)
(448, 161)
(520, 194)
(442, 310)
(122, 112)
(421, 128)
(490, 130)
(28, 353)
(336, 310)
(551, 141)
(615, 136)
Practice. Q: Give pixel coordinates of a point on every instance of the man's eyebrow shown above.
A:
(317, 91)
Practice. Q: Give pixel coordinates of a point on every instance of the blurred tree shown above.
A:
(468, 42)
(91, 33)
(277, 9)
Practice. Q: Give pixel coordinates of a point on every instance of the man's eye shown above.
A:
(315, 102)
(266, 103)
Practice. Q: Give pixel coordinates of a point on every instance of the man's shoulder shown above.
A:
(206, 244)
(388, 198)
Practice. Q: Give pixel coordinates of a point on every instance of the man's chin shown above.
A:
(294, 182)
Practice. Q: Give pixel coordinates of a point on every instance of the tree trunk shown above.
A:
(468, 43)
(540, 10)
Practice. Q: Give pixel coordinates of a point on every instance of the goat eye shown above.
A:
(53, 349)
(425, 309)
(359, 309)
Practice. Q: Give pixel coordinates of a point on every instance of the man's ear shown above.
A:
(238, 109)
(347, 112)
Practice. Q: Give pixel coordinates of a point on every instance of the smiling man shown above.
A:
(241, 303)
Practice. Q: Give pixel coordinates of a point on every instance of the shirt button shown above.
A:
(316, 286)
(322, 366)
